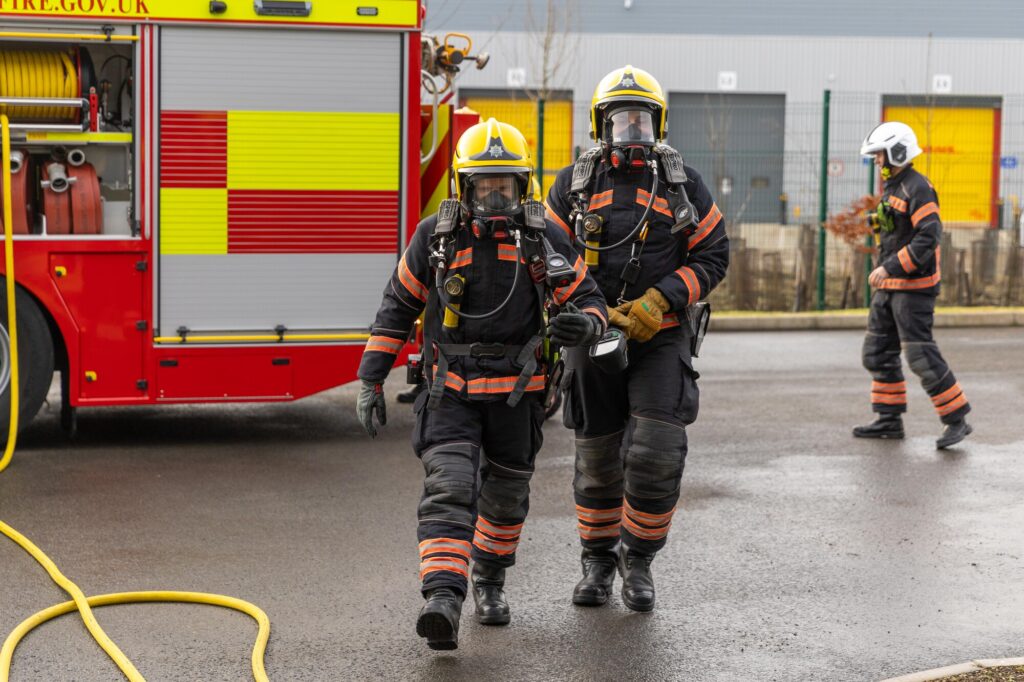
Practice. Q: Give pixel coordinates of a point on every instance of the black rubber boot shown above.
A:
(953, 434)
(410, 395)
(598, 578)
(637, 581)
(439, 619)
(491, 606)
(886, 426)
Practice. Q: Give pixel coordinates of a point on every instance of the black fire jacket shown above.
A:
(489, 267)
(684, 267)
(910, 252)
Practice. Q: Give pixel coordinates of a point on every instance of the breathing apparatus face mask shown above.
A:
(493, 200)
(629, 134)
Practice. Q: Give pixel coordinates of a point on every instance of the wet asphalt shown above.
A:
(799, 553)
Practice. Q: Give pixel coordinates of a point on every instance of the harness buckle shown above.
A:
(486, 350)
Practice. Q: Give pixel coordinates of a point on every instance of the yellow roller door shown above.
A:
(522, 113)
(959, 157)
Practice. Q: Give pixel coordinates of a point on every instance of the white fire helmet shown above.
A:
(897, 139)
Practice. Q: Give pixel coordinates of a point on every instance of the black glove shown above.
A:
(371, 399)
(573, 328)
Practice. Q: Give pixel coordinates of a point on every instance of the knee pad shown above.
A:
(654, 460)
(598, 466)
(923, 364)
(504, 491)
(876, 354)
(451, 476)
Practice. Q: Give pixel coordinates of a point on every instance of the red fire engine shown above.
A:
(208, 197)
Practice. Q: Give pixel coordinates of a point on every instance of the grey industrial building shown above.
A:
(760, 69)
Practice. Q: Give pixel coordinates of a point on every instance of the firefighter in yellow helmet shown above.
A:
(656, 243)
(487, 271)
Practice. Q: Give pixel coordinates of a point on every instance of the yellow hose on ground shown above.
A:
(39, 74)
(79, 601)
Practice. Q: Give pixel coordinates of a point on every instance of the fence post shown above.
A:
(823, 200)
(540, 144)
(869, 241)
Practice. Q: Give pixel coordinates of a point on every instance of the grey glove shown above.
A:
(371, 399)
(573, 328)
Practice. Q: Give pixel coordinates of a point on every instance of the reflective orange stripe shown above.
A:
(952, 406)
(497, 531)
(454, 381)
(660, 205)
(898, 204)
(889, 399)
(557, 220)
(883, 387)
(507, 252)
(706, 226)
(596, 311)
(384, 344)
(498, 547)
(462, 259)
(920, 282)
(669, 321)
(449, 545)
(443, 564)
(409, 281)
(649, 519)
(490, 385)
(598, 515)
(600, 200)
(905, 260)
(947, 395)
(645, 533)
(590, 533)
(689, 278)
(923, 212)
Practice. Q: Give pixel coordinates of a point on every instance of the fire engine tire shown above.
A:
(35, 361)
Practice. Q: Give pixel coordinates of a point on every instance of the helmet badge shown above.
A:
(496, 151)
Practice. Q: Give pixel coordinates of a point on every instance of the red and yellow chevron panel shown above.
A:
(311, 221)
(194, 149)
(278, 182)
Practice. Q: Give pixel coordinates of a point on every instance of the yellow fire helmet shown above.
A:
(628, 84)
(491, 147)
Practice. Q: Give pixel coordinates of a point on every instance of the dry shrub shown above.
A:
(851, 224)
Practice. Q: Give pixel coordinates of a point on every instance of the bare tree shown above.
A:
(553, 41)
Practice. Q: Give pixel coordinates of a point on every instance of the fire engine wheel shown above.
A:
(35, 361)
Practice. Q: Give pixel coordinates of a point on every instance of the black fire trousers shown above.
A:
(631, 441)
(903, 321)
(478, 458)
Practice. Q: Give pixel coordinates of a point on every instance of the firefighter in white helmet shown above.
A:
(908, 231)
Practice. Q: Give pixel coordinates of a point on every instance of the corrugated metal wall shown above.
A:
(981, 18)
(859, 71)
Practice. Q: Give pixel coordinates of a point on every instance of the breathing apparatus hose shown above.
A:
(492, 313)
(39, 74)
(639, 225)
(79, 601)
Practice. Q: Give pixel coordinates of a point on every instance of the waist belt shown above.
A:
(524, 356)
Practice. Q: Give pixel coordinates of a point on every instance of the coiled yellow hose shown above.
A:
(39, 73)
(79, 601)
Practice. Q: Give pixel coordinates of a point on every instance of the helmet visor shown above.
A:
(631, 126)
(494, 193)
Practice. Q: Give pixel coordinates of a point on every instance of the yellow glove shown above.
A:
(617, 318)
(645, 315)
